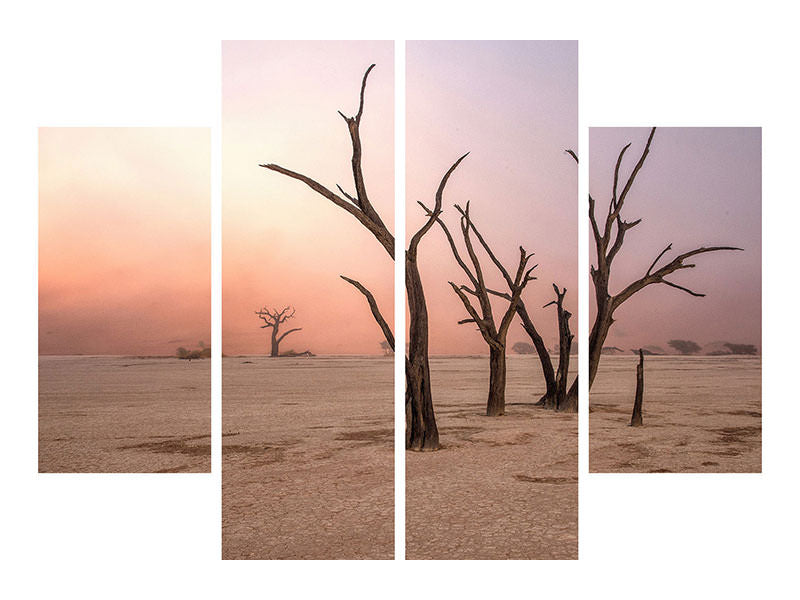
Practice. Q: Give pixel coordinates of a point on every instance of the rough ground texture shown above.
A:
(700, 413)
(307, 458)
(500, 487)
(116, 414)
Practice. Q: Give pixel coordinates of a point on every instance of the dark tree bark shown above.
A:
(565, 401)
(565, 338)
(496, 403)
(494, 335)
(376, 313)
(548, 398)
(421, 430)
(274, 319)
(608, 242)
(636, 417)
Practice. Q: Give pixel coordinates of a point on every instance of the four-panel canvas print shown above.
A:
(490, 266)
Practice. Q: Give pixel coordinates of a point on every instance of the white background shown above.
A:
(158, 63)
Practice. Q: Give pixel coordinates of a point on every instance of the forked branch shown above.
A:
(359, 205)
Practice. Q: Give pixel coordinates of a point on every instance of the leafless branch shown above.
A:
(376, 313)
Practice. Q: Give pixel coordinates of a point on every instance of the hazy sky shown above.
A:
(514, 107)
(283, 244)
(124, 240)
(698, 187)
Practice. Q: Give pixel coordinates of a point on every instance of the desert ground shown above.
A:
(118, 414)
(501, 487)
(700, 414)
(308, 458)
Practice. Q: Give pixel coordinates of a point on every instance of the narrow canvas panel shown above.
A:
(675, 345)
(492, 283)
(308, 203)
(124, 300)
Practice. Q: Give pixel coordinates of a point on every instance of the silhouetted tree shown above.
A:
(685, 346)
(494, 334)
(273, 319)
(608, 241)
(422, 433)
(564, 400)
(555, 396)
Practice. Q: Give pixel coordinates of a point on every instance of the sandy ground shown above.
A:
(500, 488)
(308, 458)
(116, 414)
(701, 414)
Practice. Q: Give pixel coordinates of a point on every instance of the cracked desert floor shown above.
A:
(500, 487)
(122, 414)
(308, 458)
(700, 413)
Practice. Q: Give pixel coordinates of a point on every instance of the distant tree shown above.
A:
(741, 348)
(523, 348)
(185, 354)
(609, 236)
(387, 348)
(273, 319)
(685, 346)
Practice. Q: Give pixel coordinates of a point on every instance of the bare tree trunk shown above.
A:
(636, 418)
(548, 399)
(274, 351)
(602, 323)
(571, 401)
(421, 431)
(563, 368)
(496, 403)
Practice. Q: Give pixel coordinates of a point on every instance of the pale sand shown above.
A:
(701, 414)
(115, 414)
(308, 458)
(502, 487)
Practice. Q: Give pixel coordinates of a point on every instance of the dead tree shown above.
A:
(563, 401)
(550, 399)
(422, 434)
(494, 334)
(608, 241)
(421, 431)
(274, 319)
(636, 417)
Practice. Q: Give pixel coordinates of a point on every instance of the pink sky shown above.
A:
(282, 243)
(124, 240)
(698, 187)
(514, 107)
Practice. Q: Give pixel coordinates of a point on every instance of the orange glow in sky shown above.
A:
(124, 240)
(282, 243)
